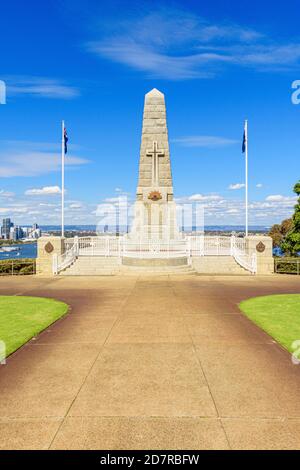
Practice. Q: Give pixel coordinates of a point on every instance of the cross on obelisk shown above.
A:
(155, 154)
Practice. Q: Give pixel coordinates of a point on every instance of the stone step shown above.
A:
(105, 266)
(157, 270)
(98, 260)
(218, 265)
(98, 268)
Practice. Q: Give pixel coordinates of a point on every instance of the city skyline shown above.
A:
(216, 68)
(11, 231)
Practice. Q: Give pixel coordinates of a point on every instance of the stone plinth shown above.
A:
(47, 247)
(262, 245)
(154, 262)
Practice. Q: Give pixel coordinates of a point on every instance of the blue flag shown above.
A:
(66, 140)
(244, 142)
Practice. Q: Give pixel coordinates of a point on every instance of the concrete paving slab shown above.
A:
(145, 328)
(248, 376)
(260, 434)
(151, 362)
(73, 329)
(43, 380)
(140, 433)
(28, 434)
(143, 380)
(232, 329)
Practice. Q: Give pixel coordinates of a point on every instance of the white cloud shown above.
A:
(26, 160)
(117, 199)
(280, 198)
(46, 204)
(16, 209)
(204, 141)
(232, 211)
(145, 59)
(174, 44)
(270, 55)
(4, 193)
(45, 191)
(76, 206)
(259, 185)
(34, 212)
(40, 87)
(261, 215)
(236, 186)
(204, 198)
(4, 210)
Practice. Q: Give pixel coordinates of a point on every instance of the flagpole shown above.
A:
(63, 180)
(246, 176)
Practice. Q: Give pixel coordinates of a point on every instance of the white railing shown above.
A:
(123, 246)
(99, 246)
(244, 259)
(69, 242)
(63, 261)
(154, 248)
(209, 245)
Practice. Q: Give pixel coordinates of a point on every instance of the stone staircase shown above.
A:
(93, 266)
(218, 265)
(109, 266)
(157, 270)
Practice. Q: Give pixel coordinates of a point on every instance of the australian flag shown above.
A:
(66, 139)
(245, 137)
(244, 142)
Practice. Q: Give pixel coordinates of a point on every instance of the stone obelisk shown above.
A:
(155, 211)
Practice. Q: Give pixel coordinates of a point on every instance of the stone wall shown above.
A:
(47, 247)
(262, 245)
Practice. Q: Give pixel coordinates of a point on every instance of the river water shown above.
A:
(26, 250)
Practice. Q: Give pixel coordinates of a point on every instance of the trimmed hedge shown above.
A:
(287, 265)
(17, 267)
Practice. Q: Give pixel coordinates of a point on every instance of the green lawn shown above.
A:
(278, 315)
(22, 318)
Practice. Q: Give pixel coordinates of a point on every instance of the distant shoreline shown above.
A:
(9, 243)
(93, 230)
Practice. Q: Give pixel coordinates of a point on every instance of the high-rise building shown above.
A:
(35, 232)
(5, 229)
(9, 231)
(16, 233)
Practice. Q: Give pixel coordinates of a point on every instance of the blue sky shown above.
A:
(91, 63)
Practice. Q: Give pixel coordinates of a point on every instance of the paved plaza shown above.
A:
(163, 362)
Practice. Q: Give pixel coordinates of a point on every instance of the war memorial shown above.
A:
(155, 244)
(150, 244)
(144, 340)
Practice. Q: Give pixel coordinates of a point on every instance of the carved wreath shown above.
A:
(49, 248)
(155, 196)
(260, 247)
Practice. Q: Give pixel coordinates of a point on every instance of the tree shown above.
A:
(286, 226)
(279, 231)
(276, 235)
(291, 243)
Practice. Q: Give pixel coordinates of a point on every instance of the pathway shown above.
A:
(158, 362)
